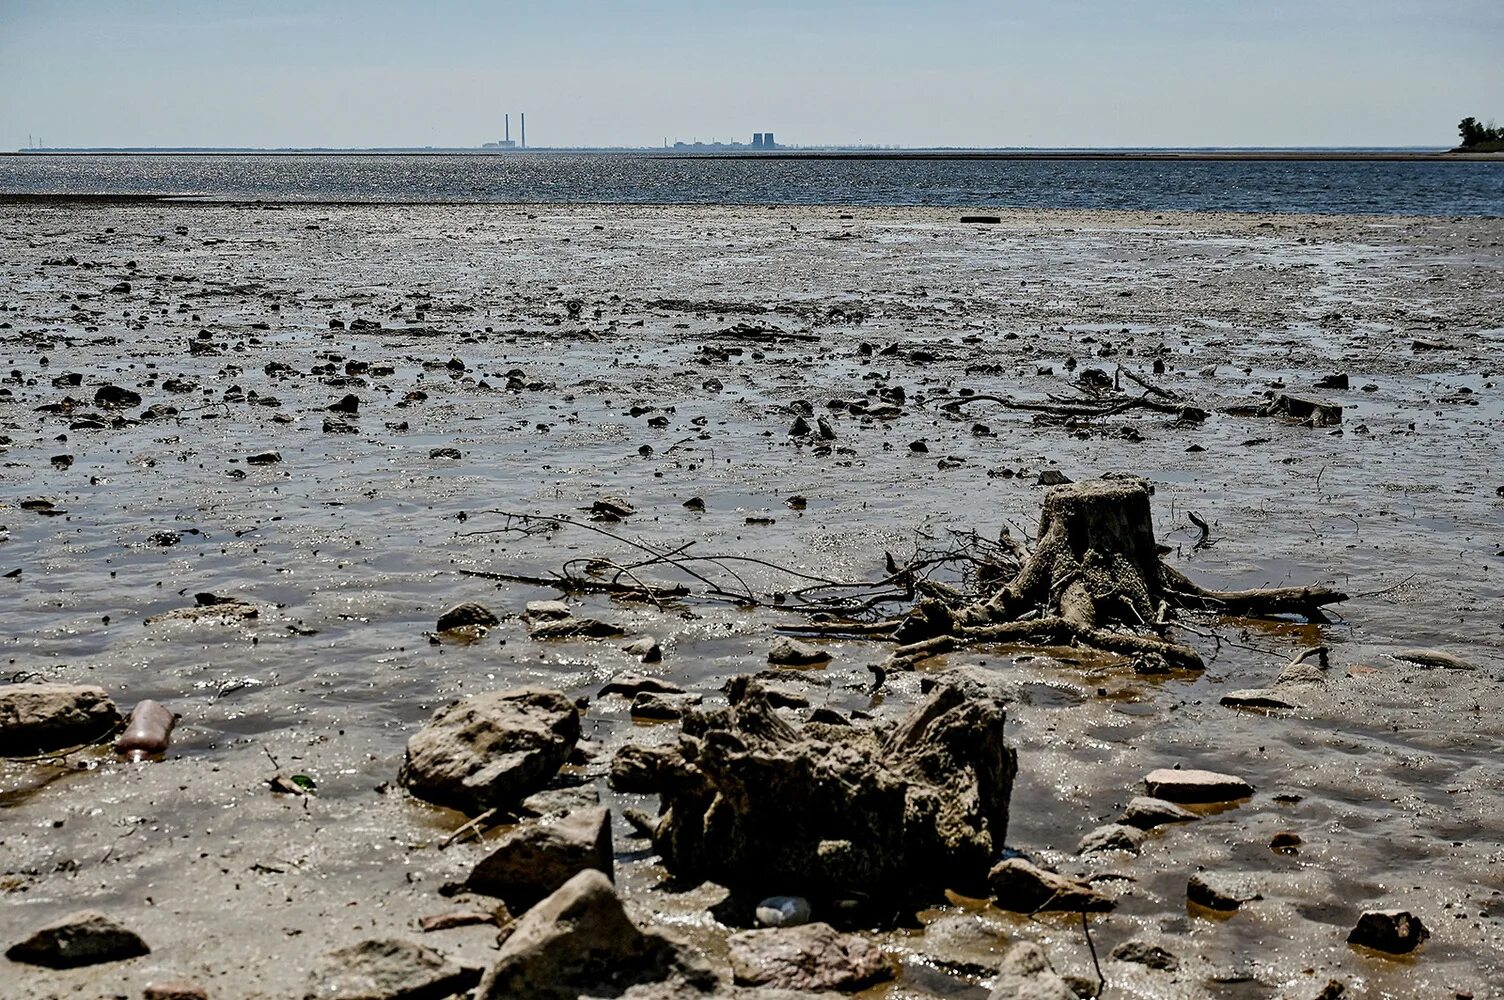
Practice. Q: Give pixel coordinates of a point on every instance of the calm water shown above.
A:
(1399, 188)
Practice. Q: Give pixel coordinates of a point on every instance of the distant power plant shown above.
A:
(506, 135)
(763, 140)
(760, 140)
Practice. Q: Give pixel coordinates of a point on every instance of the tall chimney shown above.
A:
(508, 134)
(523, 116)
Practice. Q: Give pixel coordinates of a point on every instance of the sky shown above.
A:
(1042, 73)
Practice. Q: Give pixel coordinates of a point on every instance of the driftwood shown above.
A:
(1095, 578)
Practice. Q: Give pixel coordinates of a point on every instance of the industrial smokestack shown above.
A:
(507, 136)
(523, 116)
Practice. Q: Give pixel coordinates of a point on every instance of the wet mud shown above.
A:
(535, 360)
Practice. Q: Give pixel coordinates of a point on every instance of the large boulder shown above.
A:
(840, 813)
(1023, 887)
(38, 718)
(83, 938)
(580, 941)
(809, 957)
(491, 750)
(389, 969)
(534, 861)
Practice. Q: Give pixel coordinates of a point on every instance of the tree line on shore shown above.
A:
(1476, 135)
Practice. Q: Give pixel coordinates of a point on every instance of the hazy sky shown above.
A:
(633, 72)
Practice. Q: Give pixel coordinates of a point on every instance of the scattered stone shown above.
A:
(389, 969)
(227, 611)
(264, 458)
(809, 957)
(580, 941)
(1259, 699)
(545, 610)
(1143, 953)
(888, 818)
(1052, 477)
(456, 918)
(451, 453)
(1023, 887)
(83, 938)
(610, 509)
(1112, 837)
(1195, 786)
(115, 398)
(1285, 842)
(1147, 813)
(1219, 892)
(1312, 412)
(339, 425)
(1025, 973)
(347, 404)
(534, 861)
(783, 911)
(491, 750)
(786, 652)
(40, 718)
(1396, 932)
(561, 801)
(467, 615)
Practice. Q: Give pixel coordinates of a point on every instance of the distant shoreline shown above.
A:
(1157, 155)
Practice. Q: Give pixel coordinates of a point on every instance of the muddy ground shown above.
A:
(536, 335)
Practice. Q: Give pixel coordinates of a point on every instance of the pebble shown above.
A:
(783, 911)
(786, 652)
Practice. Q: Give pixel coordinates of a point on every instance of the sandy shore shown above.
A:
(559, 352)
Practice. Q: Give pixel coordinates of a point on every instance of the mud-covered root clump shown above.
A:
(1095, 578)
(861, 823)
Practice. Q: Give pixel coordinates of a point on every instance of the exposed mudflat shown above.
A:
(536, 335)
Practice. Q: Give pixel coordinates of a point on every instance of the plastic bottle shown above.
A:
(147, 731)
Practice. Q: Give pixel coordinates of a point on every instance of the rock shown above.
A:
(1397, 932)
(610, 509)
(965, 944)
(339, 425)
(1052, 477)
(653, 705)
(534, 861)
(580, 941)
(574, 628)
(783, 911)
(1025, 973)
(39, 718)
(645, 649)
(176, 989)
(1195, 786)
(1146, 813)
(83, 938)
(389, 969)
(644, 769)
(630, 685)
(808, 957)
(115, 398)
(786, 652)
(556, 802)
(841, 812)
(349, 403)
(1260, 699)
(491, 750)
(453, 453)
(1216, 891)
(1314, 412)
(1143, 953)
(1433, 658)
(545, 610)
(227, 611)
(1112, 837)
(1023, 887)
(467, 615)
(264, 458)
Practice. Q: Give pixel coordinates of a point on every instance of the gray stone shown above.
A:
(534, 861)
(644, 768)
(491, 750)
(573, 628)
(645, 648)
(1025, 973)
(1146, 813)
(965, 944)
(580, 941)
(83, 938)
(1217, 891)
(1149, 955)
(630, 685)
(389, 969)
(37, 718)
(783, 911)
(1112, 837)
(467, 615)
(652, 705)
(1259, 699)
(808, 957)
(786, 652)
(545, 610)
(554, 802)
(1195, 786)
(1395, 932)
(1023, 887)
